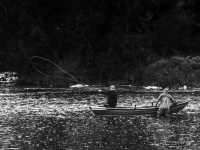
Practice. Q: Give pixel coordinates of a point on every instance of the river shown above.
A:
(57, 119)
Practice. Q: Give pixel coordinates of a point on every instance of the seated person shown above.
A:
(111, 97)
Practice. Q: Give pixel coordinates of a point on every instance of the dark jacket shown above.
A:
(112, 98)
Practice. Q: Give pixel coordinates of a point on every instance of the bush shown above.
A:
(174, 72)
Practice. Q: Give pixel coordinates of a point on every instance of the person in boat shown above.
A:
(111, 97)
(165, 100)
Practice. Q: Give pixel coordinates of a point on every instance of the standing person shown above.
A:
(165, 104)
(111, 97)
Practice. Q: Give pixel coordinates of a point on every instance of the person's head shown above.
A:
(112, 87)
(166, 90)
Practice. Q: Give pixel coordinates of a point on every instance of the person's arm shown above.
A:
(159, 98)
(108, 96)
(171, 98)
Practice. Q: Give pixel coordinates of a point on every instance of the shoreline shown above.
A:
(86, 90)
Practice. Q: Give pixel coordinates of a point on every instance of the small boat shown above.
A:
(130, 110)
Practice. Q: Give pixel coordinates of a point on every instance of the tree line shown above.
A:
(96, 41)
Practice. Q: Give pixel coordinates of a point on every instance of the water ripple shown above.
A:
(58, 122)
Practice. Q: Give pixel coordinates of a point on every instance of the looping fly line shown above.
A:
(72, 77)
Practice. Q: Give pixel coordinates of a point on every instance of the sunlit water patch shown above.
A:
(59, 122)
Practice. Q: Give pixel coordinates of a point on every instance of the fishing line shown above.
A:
(72, 77)
(55, 65)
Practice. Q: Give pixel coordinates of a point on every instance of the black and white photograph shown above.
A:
(99, 74)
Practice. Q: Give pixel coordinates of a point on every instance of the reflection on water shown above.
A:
(57, 123)
(139, 132)
(177, 132)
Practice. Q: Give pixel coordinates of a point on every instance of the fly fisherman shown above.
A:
(111, 97)
(165, 99)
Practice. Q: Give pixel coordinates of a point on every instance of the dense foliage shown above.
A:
(96, 41)
(174, 72)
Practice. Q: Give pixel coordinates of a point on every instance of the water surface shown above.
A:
(59, 120)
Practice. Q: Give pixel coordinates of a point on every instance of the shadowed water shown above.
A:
(30, 120)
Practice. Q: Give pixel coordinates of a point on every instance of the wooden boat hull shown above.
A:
(128, 111)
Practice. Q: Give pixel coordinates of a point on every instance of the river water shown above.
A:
(57, 119)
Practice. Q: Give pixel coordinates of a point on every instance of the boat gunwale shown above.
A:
(131, 107)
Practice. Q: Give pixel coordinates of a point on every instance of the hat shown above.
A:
(166, 89)
(112, 87)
